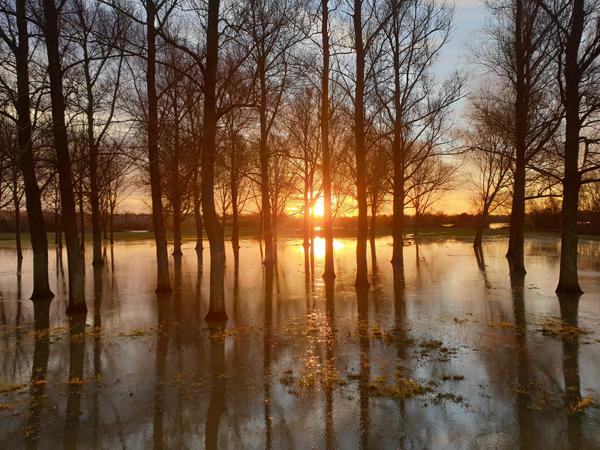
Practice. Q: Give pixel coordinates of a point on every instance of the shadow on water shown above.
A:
(569, 307)
(524, 381)
(216, 402)
(330, 370)
(76, 379)
(164, 302)
(362, 300)
(267, 349)
(39, 371)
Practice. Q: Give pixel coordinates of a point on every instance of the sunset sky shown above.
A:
(469, 19)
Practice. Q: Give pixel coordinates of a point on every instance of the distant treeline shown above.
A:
(546, 218)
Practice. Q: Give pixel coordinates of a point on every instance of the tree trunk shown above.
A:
(265, 191)
(373, 234)
(177, 188)
(235, 226)
(306, 217)
(81, 220)
(93, 167)
(216, 308)
(17, 204)
(329, 272)
(112, 225)
(33, 203)
(197, 212)
(63, 160)
(360, 150)
(163, 284)
(481, 224)
(398, 157)
(568, 280)
(516, 243)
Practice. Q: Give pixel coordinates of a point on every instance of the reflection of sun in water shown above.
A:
(319, 246)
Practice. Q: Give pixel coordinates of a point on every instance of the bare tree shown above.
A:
(63, 158)
(577, 56)
(271, 30)
(489, 160)
(18, 44)
(429, 183)
(414, 105)
(520, 56)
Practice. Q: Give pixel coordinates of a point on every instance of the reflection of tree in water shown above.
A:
(216, 405)
(267, 337)
(524, 382)
(39, 370)
(97, 323)
(162, 345)
(569, 307)
(362, 296)
(75, 387)
(330, 368)
(481, 264)
(400, 330)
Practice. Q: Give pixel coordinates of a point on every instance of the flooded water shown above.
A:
(448, 352)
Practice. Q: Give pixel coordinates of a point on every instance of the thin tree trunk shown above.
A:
(373, 233)
(93, 166)
(216, 308)
(81, 220)
(63, 160)
(163, 284)
(360, 150)
(177, 189)
(235, 226)
(33, 203)
(17, 204)
(329, 272)
(198, 212)
(112, 225)
(306, 218)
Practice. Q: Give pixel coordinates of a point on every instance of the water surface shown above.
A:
(447, 352)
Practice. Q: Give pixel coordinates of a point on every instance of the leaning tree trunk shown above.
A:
(216, 308)
(33, 203)
(63, 160)
(481, 224)
(163, 284)
(568, 281)
(360, 151)
(329, 272)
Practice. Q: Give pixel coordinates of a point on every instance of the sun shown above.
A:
(319, 209)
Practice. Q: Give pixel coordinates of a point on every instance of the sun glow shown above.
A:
(319, 209)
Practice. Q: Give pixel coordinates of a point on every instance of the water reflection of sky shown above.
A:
(299, 365)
